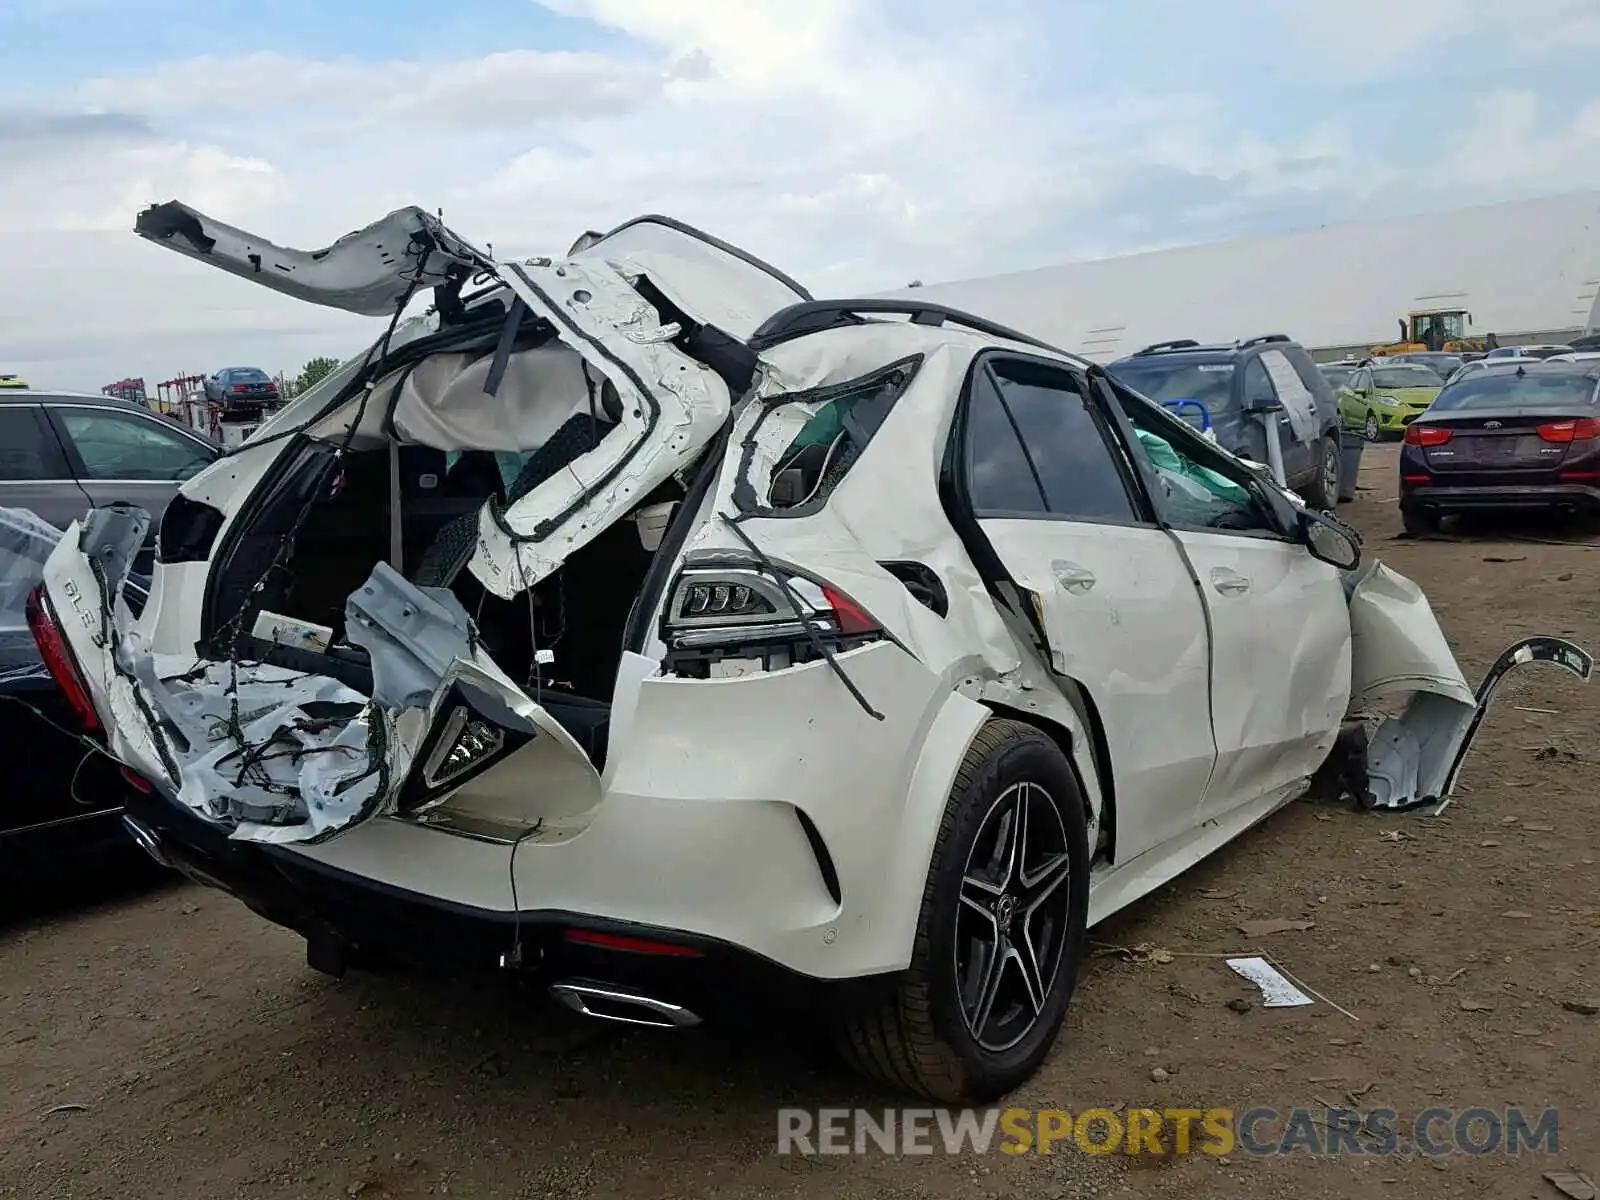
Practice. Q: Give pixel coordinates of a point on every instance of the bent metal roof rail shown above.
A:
(801, 320)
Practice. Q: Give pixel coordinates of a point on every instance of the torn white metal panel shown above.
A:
(369, 272)
(1414, 758)
(1398, 649)
(671, 407)
(277, 755)
(715, 283)
(877, 515)
(1396, 643)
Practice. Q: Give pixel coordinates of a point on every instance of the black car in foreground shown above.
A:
(1518, 434)
(63, 799)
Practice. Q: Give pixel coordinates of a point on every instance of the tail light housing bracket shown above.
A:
(737, 617)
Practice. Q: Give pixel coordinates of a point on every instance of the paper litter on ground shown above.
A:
(1276, 991)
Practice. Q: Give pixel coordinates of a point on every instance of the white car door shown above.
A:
(1058, 503)
(1280, 626)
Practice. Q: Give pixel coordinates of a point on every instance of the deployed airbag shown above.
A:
(443, 402)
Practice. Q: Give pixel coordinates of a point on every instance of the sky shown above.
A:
(857, 144)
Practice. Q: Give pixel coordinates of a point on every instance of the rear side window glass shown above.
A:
(1067, 461)
(117, 446)
(28, 447)
(1258, 384)
(999, 476)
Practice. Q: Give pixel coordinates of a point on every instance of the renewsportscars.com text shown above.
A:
(1259, 1131)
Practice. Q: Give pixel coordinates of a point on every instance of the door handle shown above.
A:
(1072, 578)
(1228, 582)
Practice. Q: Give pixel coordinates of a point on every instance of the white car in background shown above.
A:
(635, 621)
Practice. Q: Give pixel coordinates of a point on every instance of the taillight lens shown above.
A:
(58, 659)
(1427, 435)
(1580, 429)
(733, 619)
(238, 387)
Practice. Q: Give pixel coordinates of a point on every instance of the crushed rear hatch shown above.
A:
(651, 318)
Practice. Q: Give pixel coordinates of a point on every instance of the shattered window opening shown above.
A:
(840, 421)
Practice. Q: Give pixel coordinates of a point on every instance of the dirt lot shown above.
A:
(209, 1061)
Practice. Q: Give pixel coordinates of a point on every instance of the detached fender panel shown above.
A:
(1415, 757)
(1398, 649)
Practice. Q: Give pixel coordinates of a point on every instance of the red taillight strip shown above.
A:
(1426, 435)
(633, 945)
(58, 659)
(1578, 429)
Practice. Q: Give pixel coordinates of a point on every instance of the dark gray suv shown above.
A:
(1230, 388)
(62, 454)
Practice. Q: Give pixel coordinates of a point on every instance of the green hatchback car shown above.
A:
(1383, 397)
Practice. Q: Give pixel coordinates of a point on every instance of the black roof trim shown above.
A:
(801, 320)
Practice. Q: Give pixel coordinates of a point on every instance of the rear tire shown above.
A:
(1323, 491)
(1419, 522)
(920, 1037)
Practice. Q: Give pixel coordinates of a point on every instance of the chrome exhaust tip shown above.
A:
(607, 1003)
(144, 837)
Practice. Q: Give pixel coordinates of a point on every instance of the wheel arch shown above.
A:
(1098, 748)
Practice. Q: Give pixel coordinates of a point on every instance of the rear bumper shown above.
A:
(1432, 498)
(351, 919)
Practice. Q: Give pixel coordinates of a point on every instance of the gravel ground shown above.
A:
(163, 1041)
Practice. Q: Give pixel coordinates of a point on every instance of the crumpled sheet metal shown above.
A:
(871, 509)
(309, 765)
(1398, 649)
(26, 540)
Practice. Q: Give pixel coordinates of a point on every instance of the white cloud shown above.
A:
(856, 143)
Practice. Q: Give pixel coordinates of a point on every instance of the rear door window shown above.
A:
(1035, 445)
(28, 447)
(123, 446)
(1258, 384)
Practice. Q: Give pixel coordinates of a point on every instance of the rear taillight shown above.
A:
(58, 659)
(239, 387)
(1580, 429)
(1426, 435)
(729, 620)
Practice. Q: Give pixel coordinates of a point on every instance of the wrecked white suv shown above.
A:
(633, 620)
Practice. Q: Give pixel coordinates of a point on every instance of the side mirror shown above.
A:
(1330, 540)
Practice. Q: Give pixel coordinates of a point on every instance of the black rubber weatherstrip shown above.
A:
(548, 526)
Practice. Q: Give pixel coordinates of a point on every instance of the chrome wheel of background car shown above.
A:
(1372, 430)
(1012, 924)
(1330, 470)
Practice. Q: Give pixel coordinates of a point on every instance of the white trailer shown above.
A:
(1527, 271)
